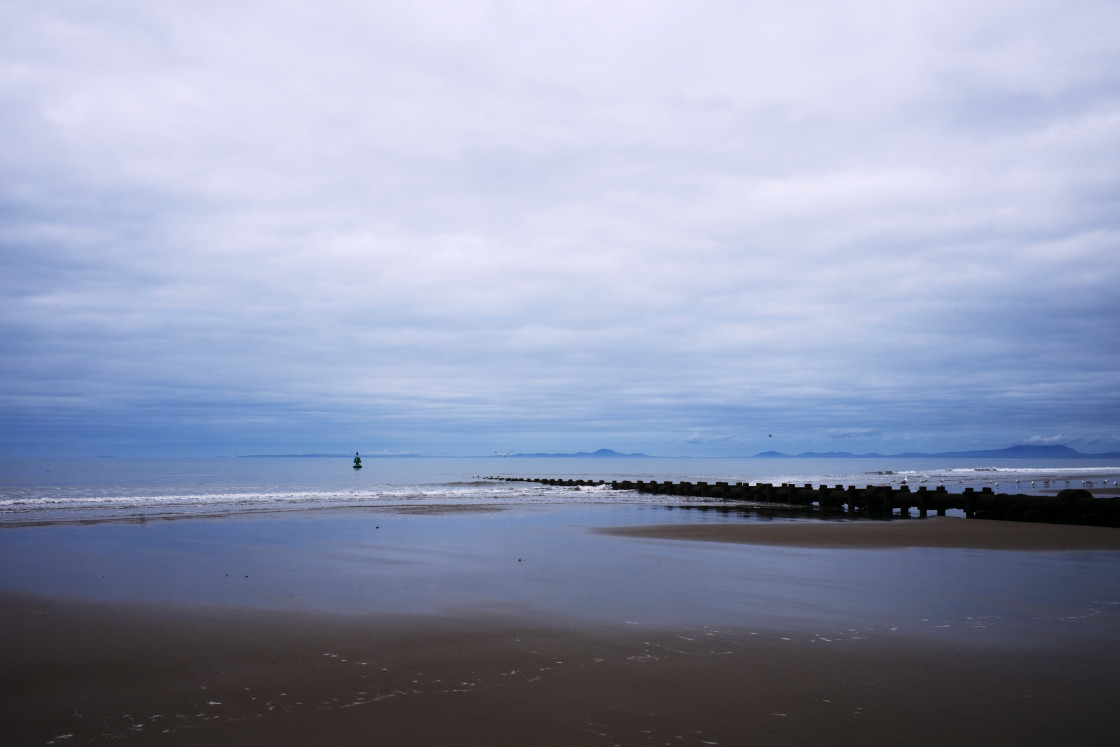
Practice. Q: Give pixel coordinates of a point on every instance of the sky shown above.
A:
(696, 228)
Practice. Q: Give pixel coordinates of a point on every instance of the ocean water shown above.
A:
(434, 536)
(46, 490)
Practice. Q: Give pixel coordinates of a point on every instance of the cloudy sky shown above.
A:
(455, 227)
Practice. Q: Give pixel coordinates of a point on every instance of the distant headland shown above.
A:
(322, 456)
(1011, 452)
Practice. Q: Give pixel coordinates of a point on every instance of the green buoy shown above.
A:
(357, 461)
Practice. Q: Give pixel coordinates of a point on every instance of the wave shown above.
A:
(80, 506)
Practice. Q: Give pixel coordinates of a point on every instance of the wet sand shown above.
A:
(92, 674)
(932, 532)
(529, 629)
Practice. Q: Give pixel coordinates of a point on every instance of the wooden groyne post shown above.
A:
(1072, 506)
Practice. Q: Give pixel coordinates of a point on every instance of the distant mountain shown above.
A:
(1012, 452)
(600, 454)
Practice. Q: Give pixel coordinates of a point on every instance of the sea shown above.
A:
(37, 490)
(448, 537)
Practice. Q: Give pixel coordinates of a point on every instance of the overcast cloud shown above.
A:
(461, 227)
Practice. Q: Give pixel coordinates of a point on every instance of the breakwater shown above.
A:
(1071, 506)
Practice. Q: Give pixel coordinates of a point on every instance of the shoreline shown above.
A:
(935, 532)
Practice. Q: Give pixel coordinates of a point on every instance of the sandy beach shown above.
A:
(85, 674)
(505, 667)
(932, 532)
(98, 674)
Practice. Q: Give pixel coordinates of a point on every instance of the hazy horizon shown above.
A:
(591, 454)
